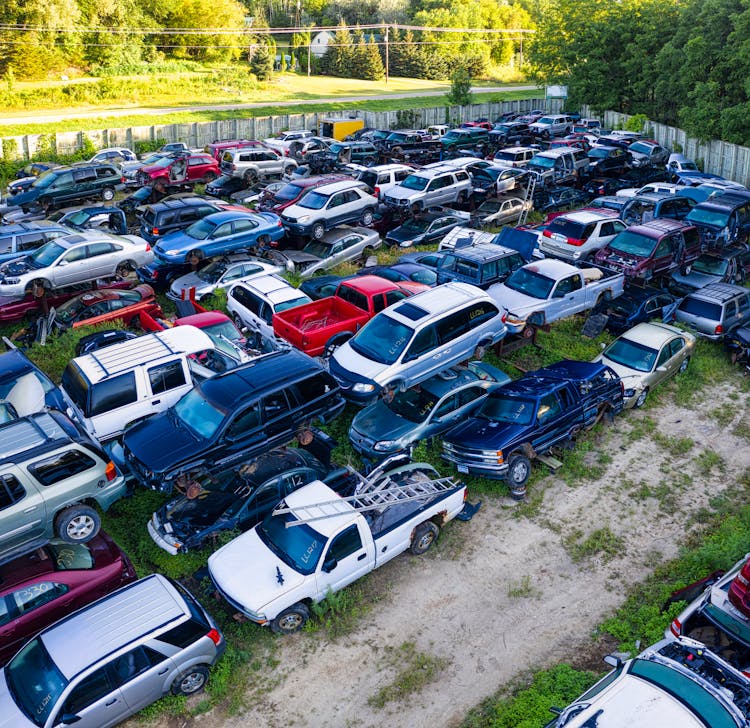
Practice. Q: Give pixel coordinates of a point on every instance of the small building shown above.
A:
(319, 43)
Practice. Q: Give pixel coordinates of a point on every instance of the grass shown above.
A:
(415, 671)
(601, 542)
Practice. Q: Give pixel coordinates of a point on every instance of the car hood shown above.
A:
(248, 572)
(144, 439)
(695, 279)
(300, 256)
(15, 267)
(360, 367)
(630, 377)
(377, 422)
(621, 260)
(482, 434)
(190, 280)
(514, 301)
(403, 193)
(177, 240)
(188, 515)
(10, 715)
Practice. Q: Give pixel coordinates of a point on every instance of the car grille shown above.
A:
(361, 441)
(471, 456)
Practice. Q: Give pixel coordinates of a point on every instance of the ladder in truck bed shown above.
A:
(373, 494)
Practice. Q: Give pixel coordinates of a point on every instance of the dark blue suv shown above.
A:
(230, 418)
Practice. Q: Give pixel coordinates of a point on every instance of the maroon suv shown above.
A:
(181, 169)
(652, 249)
(47, 584)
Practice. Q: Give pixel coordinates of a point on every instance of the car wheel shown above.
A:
(209, 177)
(38, 287)
(369, 161)
(479, 352)
(397, 151)
(238, 322)
(366, 218)
(289, 169)
(291, 620)
(318, 230)
(519, 470)
(425, 534)
(251, 177)
(78, 524)
(641, 400)
(264, 240)
(190, 682)
(684, 365)
(108, 194)
(46, 204)
(124, 269)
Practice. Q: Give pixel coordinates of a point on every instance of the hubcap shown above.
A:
(426, 540)
(290, 622)
(192, 682)
(80, 527)
(519, 471)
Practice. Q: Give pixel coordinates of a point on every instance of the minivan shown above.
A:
(112, 658)
(127, 382)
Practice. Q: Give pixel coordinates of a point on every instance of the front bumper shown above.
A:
(171, 547)
(475, 462)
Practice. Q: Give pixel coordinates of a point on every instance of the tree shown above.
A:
(373, 67)
(338, 57)
(261, 62)
(460, 93)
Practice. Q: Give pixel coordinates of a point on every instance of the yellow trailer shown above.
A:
(339, 128)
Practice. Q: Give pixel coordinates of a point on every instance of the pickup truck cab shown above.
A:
(548, 290)
(653, 249)
(317, 542)
(320, 326)
(526, 418)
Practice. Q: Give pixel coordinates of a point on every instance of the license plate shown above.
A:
(462, 468)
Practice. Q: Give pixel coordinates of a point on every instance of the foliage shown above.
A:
(261, 62)
(460, 93)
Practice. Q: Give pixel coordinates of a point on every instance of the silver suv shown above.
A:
(552, 125)
(254, 164)
(715, 310)
(52, 475)
(415, 339)
(112, 658)
(430, 187)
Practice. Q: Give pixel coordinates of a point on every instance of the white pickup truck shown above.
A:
(317, 541)
(544, 291)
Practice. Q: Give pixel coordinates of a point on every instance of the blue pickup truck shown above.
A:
(528, 417)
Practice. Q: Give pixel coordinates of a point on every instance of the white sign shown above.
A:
(557, 92)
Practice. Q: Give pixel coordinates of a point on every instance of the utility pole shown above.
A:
(386, 56)
(309, 48)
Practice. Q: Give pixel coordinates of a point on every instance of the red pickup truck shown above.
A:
(320, 326)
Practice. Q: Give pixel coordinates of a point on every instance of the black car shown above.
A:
(427, 227)
(403, 272)
(600, 186)
(322, 286)
(231, 417)
(239, 497)
(225, 185)
(554, 199)
(511, 133)
(611, 161)
(636, 305)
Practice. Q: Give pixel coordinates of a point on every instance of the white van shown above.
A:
(120, 384)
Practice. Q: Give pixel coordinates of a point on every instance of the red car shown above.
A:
(187, 168)
(47, 584)
(107, 304)
(484, 124)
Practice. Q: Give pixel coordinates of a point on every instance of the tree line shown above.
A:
(680, 62)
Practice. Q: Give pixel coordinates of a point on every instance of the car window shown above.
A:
(11, 491)
(274, 405)
(311, 388)
(267, 497)
(391, 297)
(743, 303)
(112, 393)
(470, 394)
(244, 225)
(425, 340)
(345, 544)
(59, 467)
(84, 175)
(676, 346)
(33, 596)
(99, 249)
(88, 691)
(222, 230)
(448, 405)
(663, 248)
(549, 408)
(75, 254)
(245, 421)
(132, 664)
(664, 355)
(166, 376)
(4, 612)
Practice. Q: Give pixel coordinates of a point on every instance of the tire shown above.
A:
(46, 204)
(77, 524)
(528, 331)
(519, 470)
(291, 620)
(197, 253)
(366, 218)
(685, 269)
(238, 322)
(124, 269)
(369, 161)
(397, 151)
(209, 177)
(684, 365)
(108, 194)
(251, 177)
(641, 399)
(38, 283)
(264, 240)
(289, 169)
(318, 230)
(190, 682)
(480, 352)
(425, 534)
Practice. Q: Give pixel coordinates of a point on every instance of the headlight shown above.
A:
(304, 218)
(629, 393)
(171, 252)
(386, 445)
(363, 387)
(406, 244)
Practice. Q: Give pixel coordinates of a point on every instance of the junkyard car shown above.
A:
(637, 304)
(425, 228)
(391, 425)
(645, 356)
(96, 307)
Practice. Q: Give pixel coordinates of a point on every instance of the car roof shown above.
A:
(483, 251)
(334, 234)
(329, 189)
(550, 267)
(720, 292)
(657, 228)
(585, 216)
(89, 236)
(266, 284)
(372, 284)
(654, 335)
(113, 622)
(174, 204)
(448, 381)
(435, 302)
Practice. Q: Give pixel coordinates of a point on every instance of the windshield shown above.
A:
(640, 148)
(76, 218)
(546, 120)
(35, 682)
(200, 230)
(382, 339)
(633, 244)
(416, 225)
(530, 283)
(414, 182)
(703, 216)
(212, 272)
(46, 255)
(299, 546)
(544, 162)
(501, 408)
(318, 248)
(67, 311)
(44, 180)
(414, 404)
(598, 153)
(397, 137)
(198, 414)
(631, 354)
(313, 201)
(711, 265)
(163, 162)
(288, 192)
(622, 305)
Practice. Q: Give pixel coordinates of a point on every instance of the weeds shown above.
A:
(709, 461)
(601, 541)
(675, 445)
(340, 612)
(522, 589)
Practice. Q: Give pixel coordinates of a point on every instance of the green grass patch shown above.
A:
(602, 542)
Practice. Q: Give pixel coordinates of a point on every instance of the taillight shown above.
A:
(575, 241)
(214, 636)
(719, 329)
(110, 472)
(676, 627)
(376, 192)
(547, 234)
(122, 179)
(148, 247)
(154, 231)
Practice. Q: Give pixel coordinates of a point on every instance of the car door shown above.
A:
(335, 211)
(23, 513)
(424, 355)
(94, 700)
(260, 504)
(566, 299)
(84, 183)
(665, 254)
(277, 416)
(244, 431)
(547, 430)
(220, 241)
(167, 382)
(102, 259)
(71, 267)
(666, 363)
(352, 247)
(140, 676)
(345, 560)
(244, 235)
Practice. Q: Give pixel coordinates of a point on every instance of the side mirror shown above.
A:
(614, 660)
(329, 565)
(62, 263)
(661, 369)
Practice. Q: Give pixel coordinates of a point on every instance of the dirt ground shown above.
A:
(508, 591)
